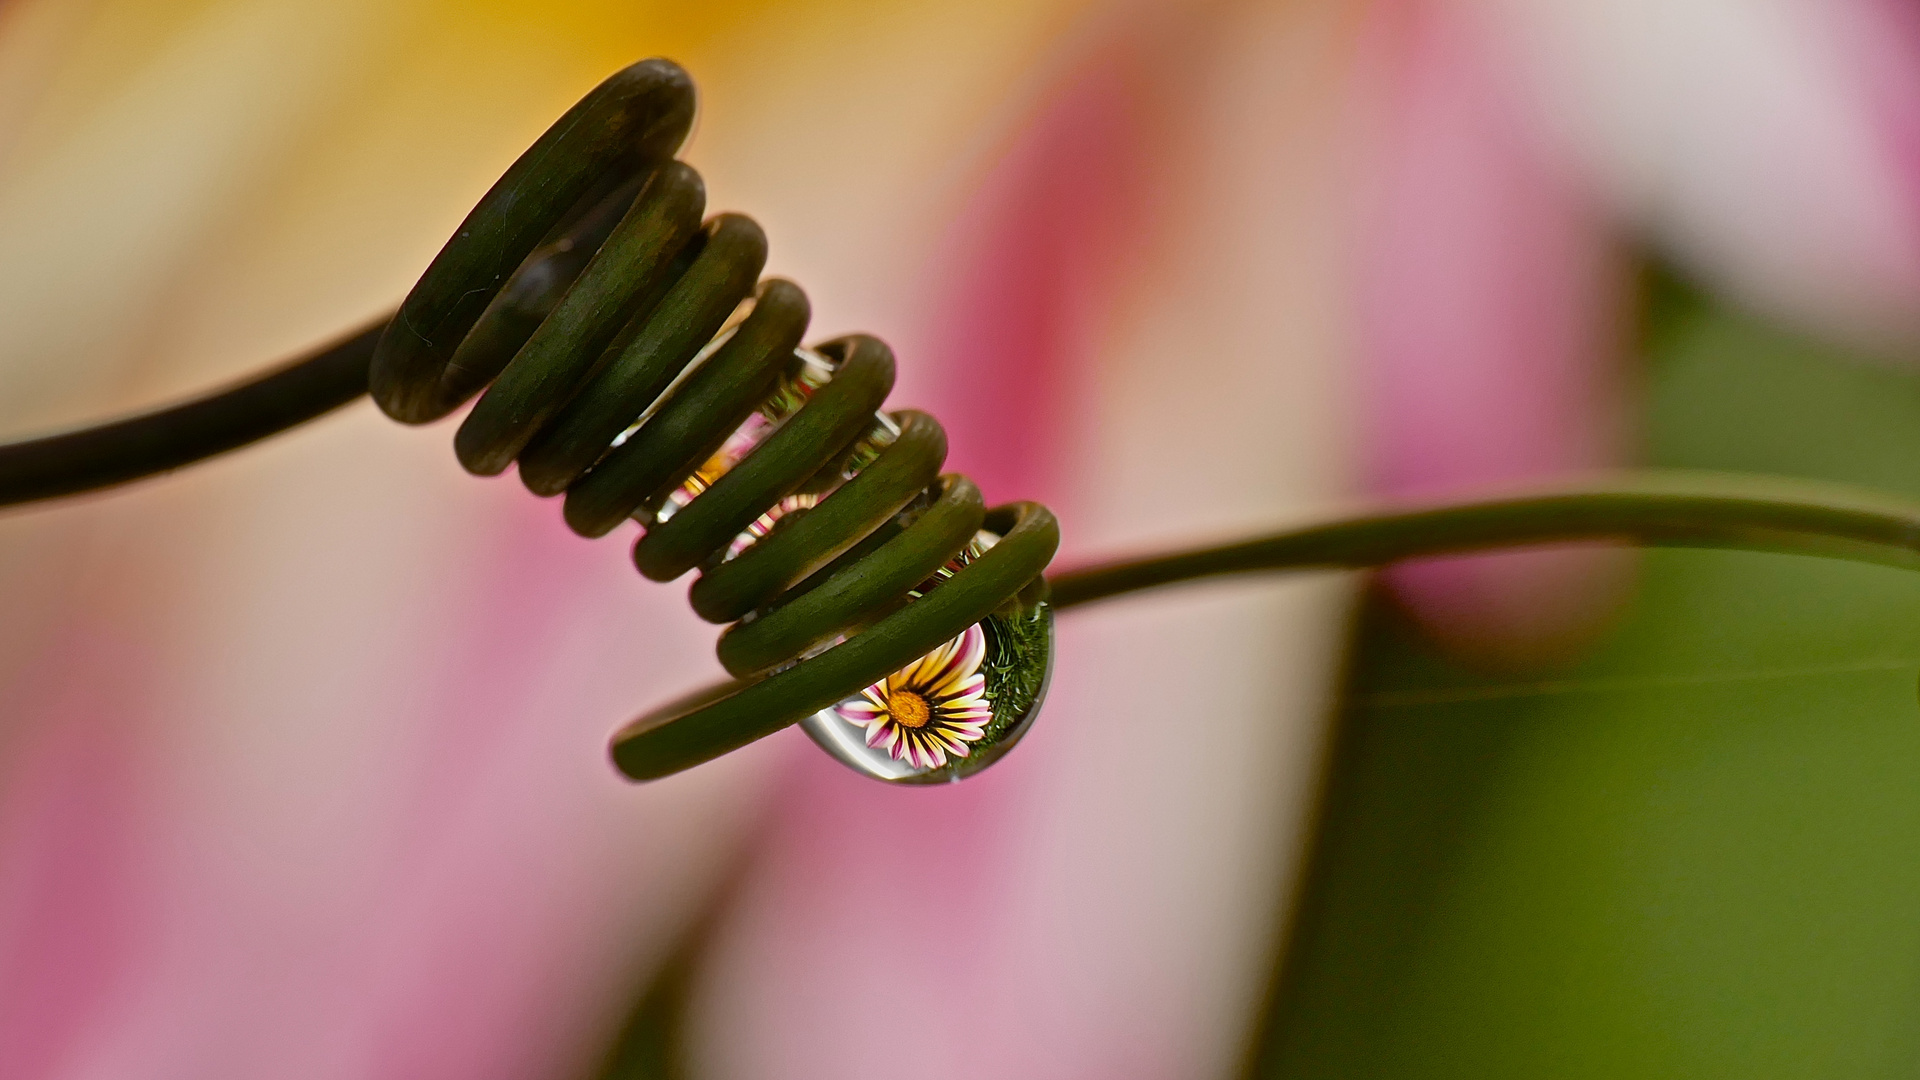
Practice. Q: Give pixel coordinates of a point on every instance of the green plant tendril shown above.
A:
(1649, 508)
(580, 289)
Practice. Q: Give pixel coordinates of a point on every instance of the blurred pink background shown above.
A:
(301, 752)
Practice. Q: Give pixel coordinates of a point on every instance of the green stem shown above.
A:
(1650, 508)
(120, 451)
(1660, 509)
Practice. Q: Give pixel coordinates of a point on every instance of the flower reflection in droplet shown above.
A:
(930, 709)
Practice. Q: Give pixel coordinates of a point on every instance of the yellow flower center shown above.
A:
(909, 709)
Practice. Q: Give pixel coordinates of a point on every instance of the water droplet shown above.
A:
(951, 713)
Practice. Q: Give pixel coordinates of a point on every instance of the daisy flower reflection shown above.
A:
(929, 709)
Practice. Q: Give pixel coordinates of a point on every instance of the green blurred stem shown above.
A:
(1655, 508)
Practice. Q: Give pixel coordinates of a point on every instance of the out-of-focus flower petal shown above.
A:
(1138, 323)
(72, 921)
(335, 802)
(1493, 312)
(1771, 144)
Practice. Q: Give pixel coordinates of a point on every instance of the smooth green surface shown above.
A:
(732, 250)
(1696, 855)
(870, 578)
(1651, 507)
(793, 552)
(174, 436)
(637, 117)
(615, 295)
(703, 726)
(695, 419)
(833, 417)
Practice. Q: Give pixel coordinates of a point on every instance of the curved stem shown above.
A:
(1670, 509)
(1665, 509)
(122, 450)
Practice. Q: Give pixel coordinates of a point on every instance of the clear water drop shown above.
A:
(952, 712)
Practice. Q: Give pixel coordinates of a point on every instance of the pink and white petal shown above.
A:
(973, 648)
(75, 815)
(1772, 145)
(1172, 194)
(1493, 327)
(375, 710)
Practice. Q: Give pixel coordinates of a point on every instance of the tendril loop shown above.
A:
(627, 356)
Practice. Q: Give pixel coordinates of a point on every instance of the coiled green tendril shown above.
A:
(584, 291)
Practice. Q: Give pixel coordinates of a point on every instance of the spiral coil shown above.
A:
(617, 342)
(583, 289)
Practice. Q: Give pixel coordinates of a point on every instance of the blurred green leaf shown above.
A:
(1698, 854)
